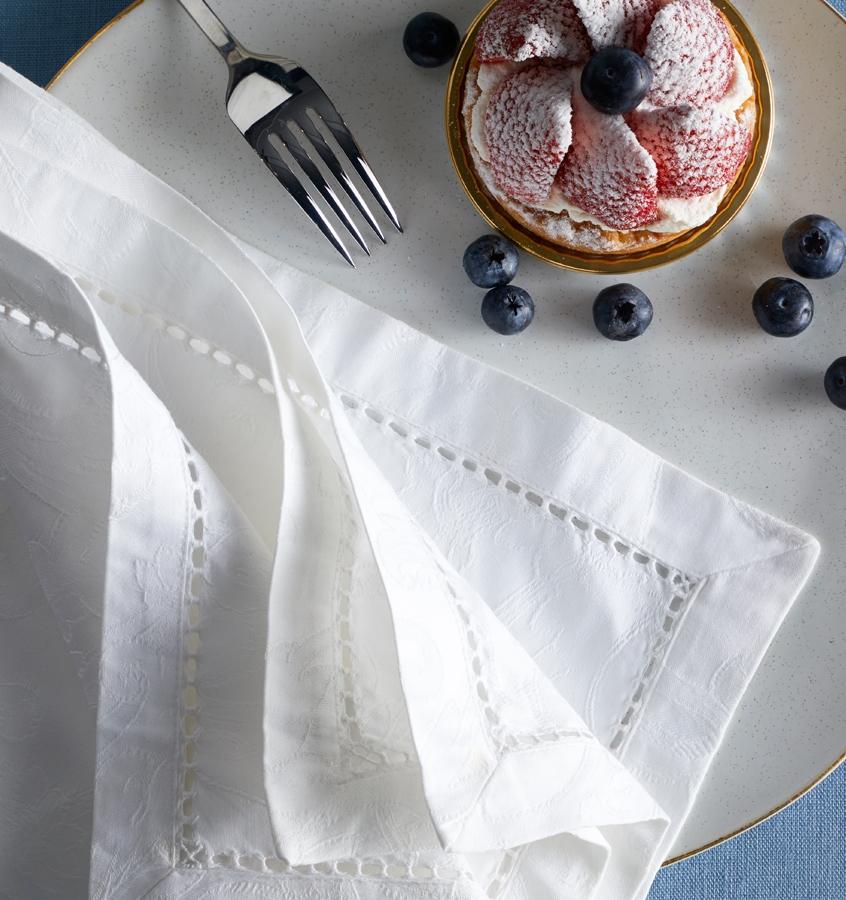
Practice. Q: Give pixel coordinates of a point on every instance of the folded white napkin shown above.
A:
(370, 619)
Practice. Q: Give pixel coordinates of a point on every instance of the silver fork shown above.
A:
(275, 103)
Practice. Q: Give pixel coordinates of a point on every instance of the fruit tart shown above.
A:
(608, 126)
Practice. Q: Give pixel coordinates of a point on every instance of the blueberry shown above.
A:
(622, 312)
(835, 382)
(507, 309)
(491, 261)
(783, 307)
(430, 40)
(616, 80)
(814, 247)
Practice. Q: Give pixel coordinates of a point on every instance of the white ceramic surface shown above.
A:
(705, 387)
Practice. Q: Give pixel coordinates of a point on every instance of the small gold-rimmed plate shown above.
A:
(493, 212)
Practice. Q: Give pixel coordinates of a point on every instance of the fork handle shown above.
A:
(214, 30)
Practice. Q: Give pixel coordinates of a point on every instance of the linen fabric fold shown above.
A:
(354, 638)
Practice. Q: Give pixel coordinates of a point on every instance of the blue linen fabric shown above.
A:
(799, 854)
(37, 36)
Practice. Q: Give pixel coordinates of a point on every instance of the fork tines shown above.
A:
(293, 125)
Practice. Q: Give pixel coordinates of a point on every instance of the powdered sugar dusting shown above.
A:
(610, 182)
(675, 214)
(607, 173)
(591, 237)
(562, 229)
(617, 23)
(490, 76)
(528, 130)
(690, 52)
(519, 30)
(696, 150)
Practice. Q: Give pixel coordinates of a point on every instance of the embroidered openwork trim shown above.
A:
(680, 585)
(679, 603)
(191, 852)
(506, 868)
(347, 705)
(496, 477)
(504, 739)
(393, 869)
(359, 749)
(46, 332)
(176, 332)
(190, 849)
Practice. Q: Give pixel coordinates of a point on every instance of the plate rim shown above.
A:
(688, 854)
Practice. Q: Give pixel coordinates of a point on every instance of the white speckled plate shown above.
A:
(705, 387)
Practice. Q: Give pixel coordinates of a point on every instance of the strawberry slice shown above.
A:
(527, 126)
(691, 54)
(696, 150)
(517, 30)
(606, 172)
(617, 23)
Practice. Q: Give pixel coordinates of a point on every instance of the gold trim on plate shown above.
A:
(631, 261)
(836, 12)
(764, 816)
(758, 819)
(94, 37)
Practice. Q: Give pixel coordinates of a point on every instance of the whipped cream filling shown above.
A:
(677, 213)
